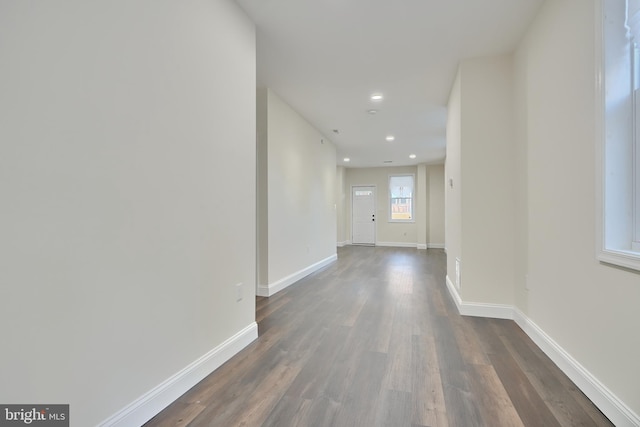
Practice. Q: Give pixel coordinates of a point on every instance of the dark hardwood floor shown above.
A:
(375, 340)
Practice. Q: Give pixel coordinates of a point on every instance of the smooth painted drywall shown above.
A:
(421, 210)
(520, 70)
(262, 187)
(341, 195)
(488, 194)
(453, 183)
(301, 186)
(127, 174)
(435, 205)
(589, 308)
(481, 202)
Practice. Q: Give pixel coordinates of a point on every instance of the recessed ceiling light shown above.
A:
(346, 159)
(412, 156)
(376, 97)
(390, 138)
(372, 111)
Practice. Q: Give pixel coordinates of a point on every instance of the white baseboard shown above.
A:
(397, 244)
(272, 288)
(151, 403)
(422, 246)
(453, 292)
(478, 309)
(609, 404)
(435, 245)
(344, 243)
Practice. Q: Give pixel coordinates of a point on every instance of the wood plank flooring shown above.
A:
(375, 340)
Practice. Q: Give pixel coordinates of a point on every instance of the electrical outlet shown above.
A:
(239, 292)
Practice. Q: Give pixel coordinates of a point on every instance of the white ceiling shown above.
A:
(326, 57)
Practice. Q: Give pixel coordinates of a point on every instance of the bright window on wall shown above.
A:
(619, 133)
(401, 193)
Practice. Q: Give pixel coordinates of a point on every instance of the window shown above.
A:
(633, 25)
(401, 198)
(618, 136)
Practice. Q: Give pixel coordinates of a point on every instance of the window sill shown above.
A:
(621, 258)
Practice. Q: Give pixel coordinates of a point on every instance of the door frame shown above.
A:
(375, 209)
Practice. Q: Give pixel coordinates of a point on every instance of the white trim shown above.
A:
(608, 403)
(262, 291)
(397, 244)
(155, 400)
(454, 293)
(436, 246)
(422, 246)
(479, 309)
(620, 258)
(344, 243)
(273, 288)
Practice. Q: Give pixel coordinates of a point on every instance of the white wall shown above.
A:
(301, 187)
(479, 160)
(262, 187)
(120, 244)
(341, 199)
(453, 182)
(488, 198)
(589, 308)
(435, 205)
(421, 209)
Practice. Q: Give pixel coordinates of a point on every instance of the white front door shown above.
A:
(363, 215)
